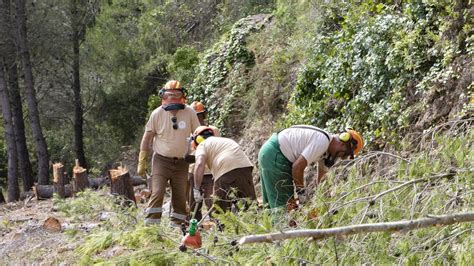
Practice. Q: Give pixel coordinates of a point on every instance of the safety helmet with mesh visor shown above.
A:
(173, 96)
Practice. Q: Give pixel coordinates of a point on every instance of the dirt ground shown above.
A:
(24, 240)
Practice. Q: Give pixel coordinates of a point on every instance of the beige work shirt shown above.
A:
(167, 141)
(222, 155)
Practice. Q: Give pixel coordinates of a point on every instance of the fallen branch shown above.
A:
(373, 199)
(376, 153)
(362, 228)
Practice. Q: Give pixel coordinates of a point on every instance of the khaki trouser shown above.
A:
(239, 179)
(174, 171)
(206, 186)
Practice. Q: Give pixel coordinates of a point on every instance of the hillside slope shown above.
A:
(386, 70)
(400, 73)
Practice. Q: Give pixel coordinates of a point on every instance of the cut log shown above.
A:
(47, 191)
(137, 181)
(121, 183)
(99, 182)
(52, 225)
(80, 180)
(94, 183)
(59, 180)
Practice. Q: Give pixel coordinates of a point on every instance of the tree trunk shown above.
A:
(41, 148)
(47, 191)
(13, 188)
(11, 74)
(79, 178)
(121, 184)
(2, 199)
(59, 180)
(76, 86)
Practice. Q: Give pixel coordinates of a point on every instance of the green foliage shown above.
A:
(183, 63)
(135, 47)
(96, 243)
(89, 205)
(365, 60)
(231, 51)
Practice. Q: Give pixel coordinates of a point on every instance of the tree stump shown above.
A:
(80, 180)
(59, 180)
(47, 191)
(121, 183)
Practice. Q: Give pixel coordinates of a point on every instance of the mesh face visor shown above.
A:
(172, 95)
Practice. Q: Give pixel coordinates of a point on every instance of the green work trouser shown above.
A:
(275, 174)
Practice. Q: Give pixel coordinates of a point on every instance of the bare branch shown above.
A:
(372, 199)
(362, 228)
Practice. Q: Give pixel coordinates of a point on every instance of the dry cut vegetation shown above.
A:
(436, 179)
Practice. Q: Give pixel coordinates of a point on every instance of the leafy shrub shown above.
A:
(364, 64)
(183, 63)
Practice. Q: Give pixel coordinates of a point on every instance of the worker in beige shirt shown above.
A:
(230, 167)
(207, 182)
(168, 128)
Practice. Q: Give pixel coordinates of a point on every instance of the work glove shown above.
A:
(142, 163)
(197, 195)
(302, 196)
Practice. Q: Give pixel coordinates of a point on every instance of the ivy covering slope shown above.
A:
(383, 68)
(377, 65)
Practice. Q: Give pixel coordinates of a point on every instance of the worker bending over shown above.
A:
(283, 158)
(207, 181)
(231, 168)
